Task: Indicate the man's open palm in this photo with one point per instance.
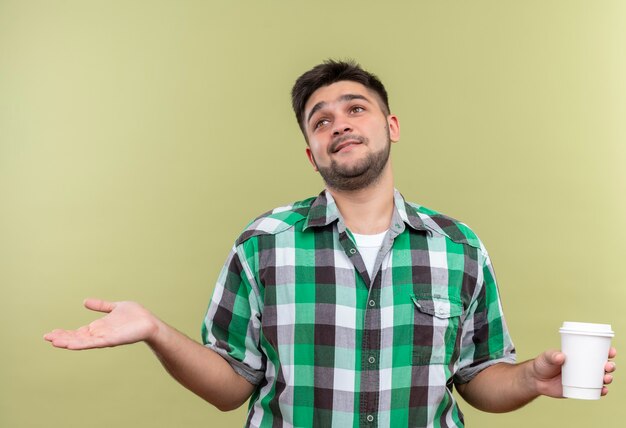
(125, 323)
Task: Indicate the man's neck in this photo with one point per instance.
(367, 211)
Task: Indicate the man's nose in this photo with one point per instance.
(342, 127)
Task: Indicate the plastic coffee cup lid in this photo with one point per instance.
(587, 328)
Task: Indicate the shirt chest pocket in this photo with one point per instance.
(436, 328)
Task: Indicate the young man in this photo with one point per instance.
(352, 308)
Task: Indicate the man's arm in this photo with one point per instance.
(506, 387)
(196, 367)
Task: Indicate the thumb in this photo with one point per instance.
(99, 305)
(554, 357)
(548, 363)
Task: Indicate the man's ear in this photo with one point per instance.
(309, 155)
(394, 128)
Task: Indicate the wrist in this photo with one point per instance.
(156, 333)
(532, 380)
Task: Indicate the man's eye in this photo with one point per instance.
(357, 109)
(321, 123)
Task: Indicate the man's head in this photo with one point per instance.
(330, 72)
(344, 115)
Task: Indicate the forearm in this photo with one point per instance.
(501, 388)
(198, 368)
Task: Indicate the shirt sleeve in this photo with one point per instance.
(233, 321)
(485, 338)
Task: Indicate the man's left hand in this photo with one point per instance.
(547, 372)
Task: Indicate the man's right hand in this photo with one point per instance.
(195, 366)
(125, 323)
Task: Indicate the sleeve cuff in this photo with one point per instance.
(242, 369)
(466, 374)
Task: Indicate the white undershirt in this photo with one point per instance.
(369, 246)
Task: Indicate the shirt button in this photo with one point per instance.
(372, 303)
(370, 418)
(352, 250)
(441, 311)
(371, 360)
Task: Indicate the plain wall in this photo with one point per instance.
(137, 138)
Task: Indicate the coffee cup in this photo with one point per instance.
(586, 348)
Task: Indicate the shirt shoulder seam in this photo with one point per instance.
(447, 226)
(276, 221)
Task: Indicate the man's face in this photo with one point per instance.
(349, 135)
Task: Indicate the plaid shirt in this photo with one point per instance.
(296, 313)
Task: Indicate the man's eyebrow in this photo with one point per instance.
(315, 108)
(344, 97)
(350, 97)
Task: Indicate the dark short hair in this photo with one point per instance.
(327, 73)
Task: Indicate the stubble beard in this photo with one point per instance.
(358, 175)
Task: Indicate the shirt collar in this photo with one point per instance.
(407, 213)
(324, 211)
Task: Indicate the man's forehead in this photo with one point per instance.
(335, 92)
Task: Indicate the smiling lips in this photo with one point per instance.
(345, 141)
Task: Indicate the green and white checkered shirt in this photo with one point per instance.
(295, 312)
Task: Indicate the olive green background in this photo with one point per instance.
(138, 138)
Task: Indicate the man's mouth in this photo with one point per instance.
(345, 141)
(345, 144)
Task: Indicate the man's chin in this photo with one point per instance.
(348, 180)
(339, 172)
(355, 174)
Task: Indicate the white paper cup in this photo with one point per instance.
(586, 348)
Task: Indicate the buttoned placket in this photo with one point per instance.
(369, 394)
(370, 350)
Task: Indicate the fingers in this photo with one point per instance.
(86, 343)
(53, 334)
(612, 353)
(86, 337)
(99, 305)
(59, 338)
(74, 339)
(609, 368)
